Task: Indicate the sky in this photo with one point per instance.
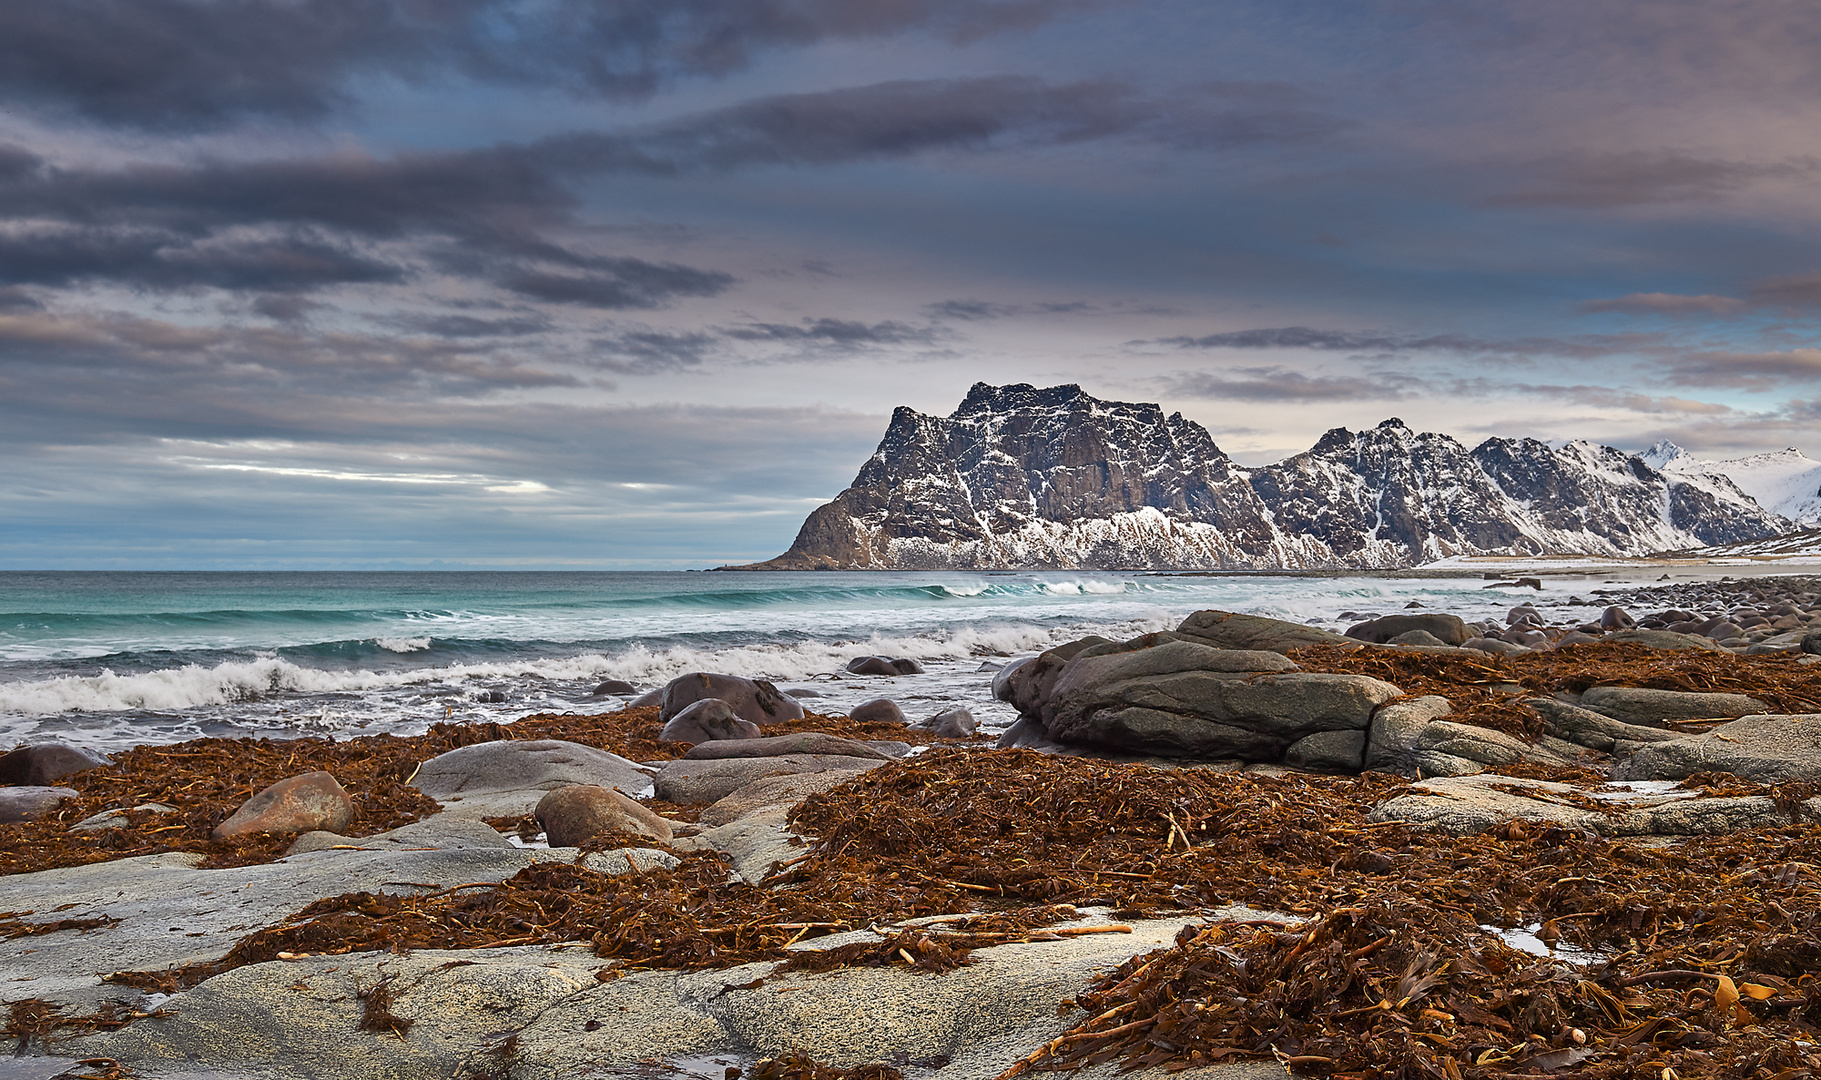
(628, 284)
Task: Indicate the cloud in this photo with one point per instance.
(984, 310)
(1617, 398)
(1281, 384)
(618, 283)
(195, 64)
(1302, 337)
(841, 333)
(1671, 304)
(1769, 371)
(1586, 180)
(644, 352)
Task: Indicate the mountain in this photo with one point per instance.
(1054, 478)
(1786, 482)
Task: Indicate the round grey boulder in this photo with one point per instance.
(752, 699)
(1616, 618)
(614, 686)
(708, 720)
(952, 723)
(878, 709)
(45, 763)
(31, 802)
(572, 815)
(313, 800)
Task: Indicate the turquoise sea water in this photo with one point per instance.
(113, 659)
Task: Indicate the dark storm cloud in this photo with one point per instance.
(1632, 178)
(150, 258)
(1302, 337)
(13, 299)
(982, 310)
(841, 333)
(188, 63)
(468, 326)
(620, 283)
(646, 352)
(1280, 384)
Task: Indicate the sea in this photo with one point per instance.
(109, 660)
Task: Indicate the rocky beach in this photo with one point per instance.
(1426, 846)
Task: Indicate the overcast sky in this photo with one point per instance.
(636, 283)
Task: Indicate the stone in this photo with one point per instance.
(29, 802)
(686, 781)
(507, 778)
(1391, 738)
(1635, 705)
(571, 815)
(1596, 731)
(1574, 637)
(1447, 629)
(708, 720)
(1495, 646)
(117, 818)
(1523, 615)
(878, 709)
(440, 832)
(1189, 700)
(772, 792)
(1229, 630)
(801, 692)
(43, 764)
(800, 742)
(1482, 746)
(752, 699)
(1661, 639)
(1418, 638)
(1025, 684)
(650, 699)
(614, 686)
(871, 665)
(952, 723)
(312, 800)
(1767, 749)
(1328, 751)
(1464, 805)
(1811, 643)
(1616, 618)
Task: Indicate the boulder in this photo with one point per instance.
(752, 699)
(507, 778)
(1616, 618)
(710, 781)
(1464, 805)
(773, 792)
(439, 832)
(614, 686)
(871, 665)
(708, 720)
(878, 709)
(1574, 637)
(952, 723)
(650, 699)
(1811, 643)
(1230, 630)
(1328, 751)
(1661, 639)
(1495, 646)
(1189, 700)
(1767, 749)
(42, 764)
(1447, 629)
(1418, 638)
(1596, 731)
(571, 815)
(298, 804)
(1025, 684)
(801, 692)
(1635, 705)
(1392, 736)
(29, 802)
(801, 742)
(1442, 744)
(117, 817)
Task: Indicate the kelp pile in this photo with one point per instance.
(1486, 689)
(205, 780)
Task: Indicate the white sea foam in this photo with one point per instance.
(402, 644)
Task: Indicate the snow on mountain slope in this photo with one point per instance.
(1784, 482)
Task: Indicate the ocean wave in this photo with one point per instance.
(402, 644)
(231, 682)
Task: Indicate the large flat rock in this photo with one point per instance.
(1767, 749)
(1230, 630)
(686, 781)
(1462, 805)
(506, 778)
(1637, 705)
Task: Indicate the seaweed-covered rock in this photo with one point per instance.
(1767, 749)
(29, 802)
(710, 781)
(1394, 732)
(1661, 639)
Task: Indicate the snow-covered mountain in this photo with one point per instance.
(1024, 477)
(1785, 482)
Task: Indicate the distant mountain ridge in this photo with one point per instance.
(1784, 482)
(1022, 477)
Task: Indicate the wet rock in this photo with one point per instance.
(708, 720)
(1616, 618)
(650, 699)
(507, 778)
(42, 764)
(952, 723)
(1025, 685)
(1183, 699)
(801, 742)
(1635, 705)
(1767, 749)
(871, 665)
(1446, 629)
(687, 781)
(802, 692)
(1328, 751)
(313, 800)
(491, 697)
(878, 709)
(571, 815)
(1811, 643)
(752, 699)
(614, 686)
(1229, 630)
(29, 802)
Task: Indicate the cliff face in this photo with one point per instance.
(1054, 478)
